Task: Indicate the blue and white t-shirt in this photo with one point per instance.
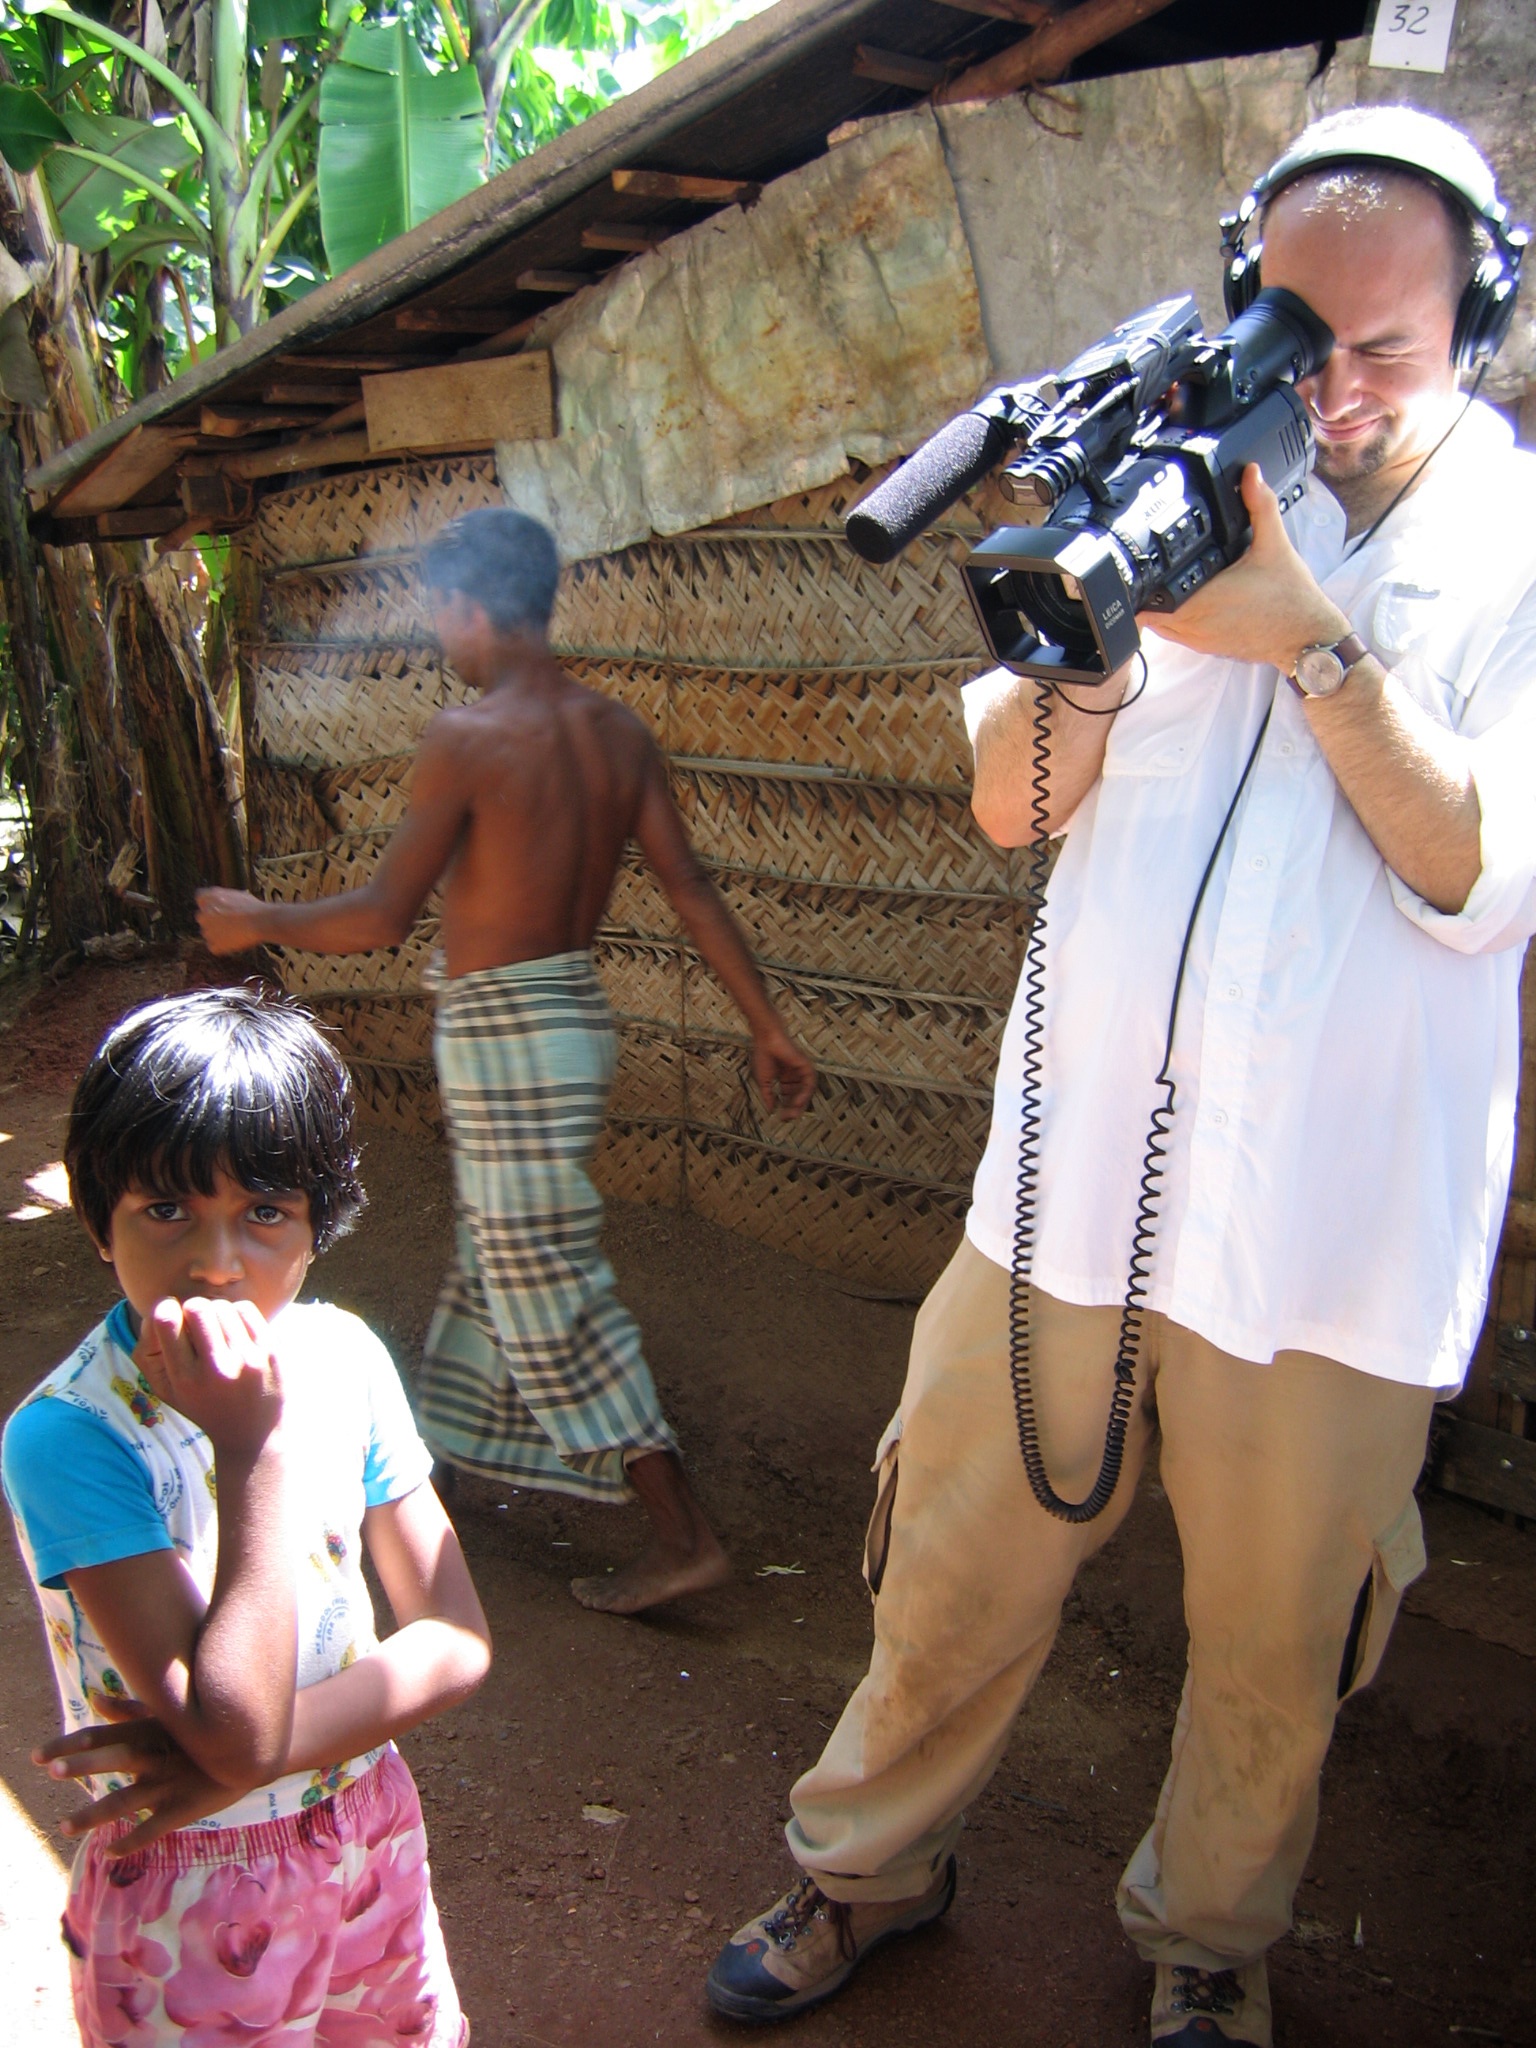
(97, 1469)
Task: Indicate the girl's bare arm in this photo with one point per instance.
(438, 1655)
(219, 1674)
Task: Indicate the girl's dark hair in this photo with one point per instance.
(231, 1078)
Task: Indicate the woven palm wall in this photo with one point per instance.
(807, 705)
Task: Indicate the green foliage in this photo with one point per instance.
(395, 132)
(579, 55)
(397, 141)
(95, 205)
(285, 21)
(29, 127)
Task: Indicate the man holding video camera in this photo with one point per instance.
(1310, 827)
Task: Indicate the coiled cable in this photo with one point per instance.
(1154, 1158)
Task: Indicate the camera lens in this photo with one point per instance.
(1057, 614)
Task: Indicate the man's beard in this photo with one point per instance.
(1356, 462)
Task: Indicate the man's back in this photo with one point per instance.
(551, 778)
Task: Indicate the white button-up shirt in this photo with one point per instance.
(1346, 1055)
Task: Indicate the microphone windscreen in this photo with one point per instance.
(927, 483)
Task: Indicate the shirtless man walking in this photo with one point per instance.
(522, 804)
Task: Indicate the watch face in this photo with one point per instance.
(1319, 671)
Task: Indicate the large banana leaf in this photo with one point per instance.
(284, 21)
(28, 127)
(397, 142)
(94, 205)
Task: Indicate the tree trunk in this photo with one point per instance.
(96, 652)
(180, 756)
(65, 850)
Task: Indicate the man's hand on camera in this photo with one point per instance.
(1266, 607)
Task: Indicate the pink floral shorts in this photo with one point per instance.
(318, 1929)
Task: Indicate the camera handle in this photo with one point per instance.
(1144, 1235)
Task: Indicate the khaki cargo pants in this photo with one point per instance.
(1292, 1488)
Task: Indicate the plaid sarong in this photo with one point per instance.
(533, 1369)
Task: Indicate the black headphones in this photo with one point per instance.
(1412, 141)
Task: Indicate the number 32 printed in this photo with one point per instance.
(1407, 19)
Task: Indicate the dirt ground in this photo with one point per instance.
(1414, 1919)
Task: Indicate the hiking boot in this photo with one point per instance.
(806, 1947)
(1211, 2008)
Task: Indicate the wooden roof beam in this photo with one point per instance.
(316, 397)
(230, 422)
(684, 185)
(891, 67)
(558, 283)
(320, 451)
(133, 522)
(628, 238)
(346, 369)
(507, 343)
(143, 454)
(451, 319)
(1044, 56)
(1032, 13)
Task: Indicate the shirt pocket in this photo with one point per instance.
(1403, 618)
(1163, 731)
(1421, 635)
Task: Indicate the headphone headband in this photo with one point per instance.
(1402, 139)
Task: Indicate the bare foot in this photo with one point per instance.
(657, 1574)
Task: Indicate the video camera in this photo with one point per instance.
(1134, 453)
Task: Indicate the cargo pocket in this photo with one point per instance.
(877, 1538)
(1399, 1559)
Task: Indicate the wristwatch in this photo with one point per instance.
(1321, 669)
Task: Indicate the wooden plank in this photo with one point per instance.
(506, 343)
(143, 454)
(322, 397)
(631, 241)
(1514, 1366)
(1519, 1236)
(451, 319)
(462, 405)
(1030, 12)
(1046, 54)
(229, 422)
(682, 185)
(321, 451)
(335, 366)
(891, 67)
(214, 497)
(1487, 1465)
(136, 522)
(556, 281)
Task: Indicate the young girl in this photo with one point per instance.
(190, 1489)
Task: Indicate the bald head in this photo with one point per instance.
(1364, 200)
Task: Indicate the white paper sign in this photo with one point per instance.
(1412, 35)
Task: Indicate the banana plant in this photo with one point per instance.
(398, 141)
(113, 174)
(227, 152)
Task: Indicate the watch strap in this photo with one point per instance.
(1349, 652)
